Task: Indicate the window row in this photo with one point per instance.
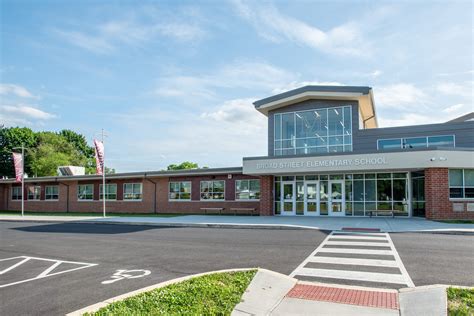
(34, 193)
(416, 142)
(214, 190)
(85, 192)
(461, 183)
(314, 131)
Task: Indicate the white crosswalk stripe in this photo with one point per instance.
(349, 257)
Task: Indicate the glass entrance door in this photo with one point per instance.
(311, 198)
(336, 198)
(288, 198)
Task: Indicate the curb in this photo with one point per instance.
(453, 231)
(95, 307)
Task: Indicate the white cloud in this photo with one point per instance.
(22, 114)
(237, 111)
(238, 75)
(375, 73)
(400, 95)
(134, 29)
(16, 90)
(450, 88)
(270, 23)
(454, 108)
(406, 119)
(299, 84)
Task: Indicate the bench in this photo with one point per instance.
(212, 210)
(393, 212)
(243, 210)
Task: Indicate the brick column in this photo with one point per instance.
(266, 195)
(437, 203)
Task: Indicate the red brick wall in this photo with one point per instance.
(194, 206)
(266, 195)
(146, 205)
(438, 204)
(3, 197)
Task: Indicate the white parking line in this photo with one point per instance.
(356, 250)
(46, 272)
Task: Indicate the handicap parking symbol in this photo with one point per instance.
(126, 274)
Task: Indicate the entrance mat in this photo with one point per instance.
(367, 298)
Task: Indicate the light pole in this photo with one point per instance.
(22, 178)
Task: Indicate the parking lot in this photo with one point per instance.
(53, 269)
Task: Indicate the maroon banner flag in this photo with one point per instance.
(99, 156)
(18, 162)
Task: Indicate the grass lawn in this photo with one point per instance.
(213, 294)
(460, 301)
(458, 221)
(86, 214)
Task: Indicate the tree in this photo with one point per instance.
(14, 137)
(80, 143)
(183, 165)
(52, 151)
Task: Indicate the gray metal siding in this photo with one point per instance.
(313, 105)
(463, 133)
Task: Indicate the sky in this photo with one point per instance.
(171, 81)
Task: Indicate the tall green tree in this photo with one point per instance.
(14, 137)
(54, 150)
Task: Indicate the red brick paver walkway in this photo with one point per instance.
(345, 296)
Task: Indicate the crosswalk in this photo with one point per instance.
(355, 258)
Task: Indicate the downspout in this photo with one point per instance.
(369, 118)
(154, 195)
(67, 195)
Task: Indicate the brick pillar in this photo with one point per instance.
(437, 201)
(266, 195)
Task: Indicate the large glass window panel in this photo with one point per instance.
(335, 121)
(384, 144)
(323, 191)
(306, 124)
(469, 177)
(455, 177)
(347, 120)
(358, 190)
(288, 126)
(416, 142)
(441, 141)
(277, 124)
(370, 190)
(384, 189)
(400, 190)
(321, 117)
(358, 208)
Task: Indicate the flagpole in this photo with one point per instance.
(22, 180)
(103, 177)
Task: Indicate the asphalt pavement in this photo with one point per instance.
(167, 253)
(62, 267)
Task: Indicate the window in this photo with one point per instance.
(132, 191)
(461, 183)
(416, 142)
(179, 191)
(213, 190)
(441, 141)
(85, 192)
(110, 192)
(51, 192)
(16, 193)
(314, 131)
(34, 192)
(384, 144)
(247, 189)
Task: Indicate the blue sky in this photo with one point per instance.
(175, 80)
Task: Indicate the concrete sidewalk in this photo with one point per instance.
(385, 224)
(271, 293)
